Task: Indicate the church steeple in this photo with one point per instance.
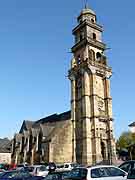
(88, 14)
(88, 35)
(91, 103)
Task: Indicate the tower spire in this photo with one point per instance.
(86, 4)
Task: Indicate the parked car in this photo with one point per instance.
(57, 175)
(18, 175)
(1, 174)
(2, 170)
(70, 166)
(66, 166)
(126, 166)
(37, 170)
(97, 173)
(20, 166)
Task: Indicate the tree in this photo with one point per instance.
(126, 142)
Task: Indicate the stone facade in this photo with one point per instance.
(45, 140)
(91, 102)
(5, 157)
(5, 151)
(84, 135)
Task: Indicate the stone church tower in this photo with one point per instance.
(91, 102)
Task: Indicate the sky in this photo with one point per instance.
(35, 42)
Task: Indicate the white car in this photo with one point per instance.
(37, 170)
(66, 166)
(98, 173)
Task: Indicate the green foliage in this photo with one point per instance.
(125, 140)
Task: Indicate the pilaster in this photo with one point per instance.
(73, 116)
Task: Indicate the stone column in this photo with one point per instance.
(108, 99)
(24, 158)
(28, 143)
(86, 113)
(108, 104)
(37, 141)
(73, 117)
(16, 158)
(50, 152)
(32, 158)
(96, 143)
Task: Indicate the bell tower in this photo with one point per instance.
(91, 102)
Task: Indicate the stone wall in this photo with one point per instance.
(5, 158)
(61, 144)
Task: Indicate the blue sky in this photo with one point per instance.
(35, 40)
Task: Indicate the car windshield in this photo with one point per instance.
(74, 165)
(16, 174)
(30, 169)
(60, 166)
(42, 168)
(54, 176)
(131, 174)
(20, 165)
(78, 172)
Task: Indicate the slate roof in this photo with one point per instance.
(26, 125)
(49, 119)
(132, 124)
(29, 124)
(5, 145)
(54, 118)
(5, 150)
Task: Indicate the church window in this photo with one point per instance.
(98, 56)
(76, 39)
(94, 36)
(81, 37)
(92, 20)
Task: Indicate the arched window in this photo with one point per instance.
(103, 150)
(92, 20)
(98, 56)
(94, 36)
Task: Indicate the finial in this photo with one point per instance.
(86, 4)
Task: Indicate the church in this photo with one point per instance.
(85, 134)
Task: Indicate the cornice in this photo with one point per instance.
(87, 23)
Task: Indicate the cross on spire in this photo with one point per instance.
(86, 4)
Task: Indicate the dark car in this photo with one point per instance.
(18, 175)
(128, 165)
(57, 175)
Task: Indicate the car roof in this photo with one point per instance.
(36, 166)
(94, 167)
(128, 161)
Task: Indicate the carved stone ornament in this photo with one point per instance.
(100, 105)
